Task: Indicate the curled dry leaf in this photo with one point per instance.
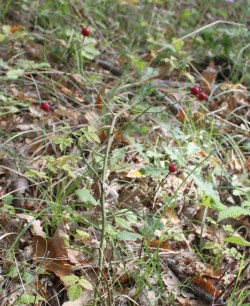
(53, 254)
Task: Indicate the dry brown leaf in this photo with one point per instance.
(206, 285)
(66, 90)
(247, 164)
(16, 28)
(181, 115)
(99, 101)
(208, 77)
(54, 255)
(160, 244)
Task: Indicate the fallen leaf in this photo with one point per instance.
(206, 285)
(208, 77)
(16, 28)
(160, 244)
(66, 90)
(54, 255)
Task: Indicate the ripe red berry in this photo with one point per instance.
(45, 106)
(172, 168)
(85, 31)
(195, 90)
(202, 96)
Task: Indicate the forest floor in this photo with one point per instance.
(125, 153)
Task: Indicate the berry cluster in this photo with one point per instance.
(196, 91)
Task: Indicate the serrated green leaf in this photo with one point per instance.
(14, 74)
(74, 292)
(237, 240)
(85, 284)
(233, 212)
(85, 196)
(63, 142)
(69, 169)
(71, 279)
(128, 236)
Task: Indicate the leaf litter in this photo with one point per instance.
(138, 162)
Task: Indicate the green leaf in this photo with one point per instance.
(69, 169)
(74, 292)
(238, 240)
(122, 223)
(150, 170)
(206, 202)
(31, 65)
(85, 284)
(63, 142)
(7, 199)
(208, 189)
(89, 50)
(28, 277)
(28, 299)
(111, 231)
(14, 74)
(128, 236)
(33, 173)
(71, 279)
(82, 234)
(3, 64)
(90, 134)
(2, 37)
(13, 271)
(233, 212)
(85, 196)
(191, 149)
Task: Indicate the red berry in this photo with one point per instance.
(172, 168)
(85, 31)
(45, 106)
(202, 96)
(195, 90)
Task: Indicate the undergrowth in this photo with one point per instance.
(124, 171)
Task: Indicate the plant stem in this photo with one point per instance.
(102, 203)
